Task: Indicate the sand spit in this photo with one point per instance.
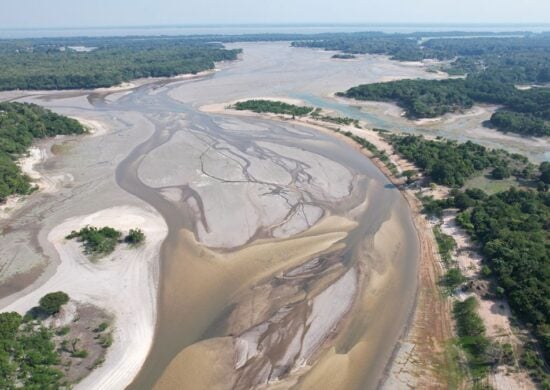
(126, 86)
(96, 128)
(124, 284)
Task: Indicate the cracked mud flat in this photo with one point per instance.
(290, 260)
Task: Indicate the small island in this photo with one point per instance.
(270, 106)
(281, 108)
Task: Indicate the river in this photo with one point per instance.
(290, 259)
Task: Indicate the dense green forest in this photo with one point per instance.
(420, 98)
(28, 355)
(43, 64)
(28, 358)
(451, 163)
(275, 107)
(513, 228)
(20, 124)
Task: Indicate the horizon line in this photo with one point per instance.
(287, 24)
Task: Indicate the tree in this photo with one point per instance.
(135, 237)
(500, 172)
(51, 303)
(545, 172)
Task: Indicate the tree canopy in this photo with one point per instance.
(20, 124)
(51, 303)
(54, 64)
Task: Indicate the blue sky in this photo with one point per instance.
(92, 13)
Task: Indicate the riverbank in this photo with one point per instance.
(124, 284)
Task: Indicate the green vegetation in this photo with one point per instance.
(398, 46)
(101, 327)
(135, 237)
(51, 303)
(531, 360)
(420, 98)
(472, 339)
(102, 241)
(97, 241)
(545, 172)
(271, 106)
(500, 173)
(451, 163)
(339, 120)
(52, 64)
(445, 243)
(20, 125)
(521, 123)
(514, 232)
(344, 56)
(454, 278)
(63, 331)
(27, 355)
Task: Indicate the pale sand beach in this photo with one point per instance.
(123, 283)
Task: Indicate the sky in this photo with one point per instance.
(101, 13)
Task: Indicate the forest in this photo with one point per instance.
(29, 358)
(451, 163)
(420, 98)
(51, 64)
(20, 125)
(513, 229)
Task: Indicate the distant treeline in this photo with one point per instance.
(493, 66)
(20, 124)
(55, 64)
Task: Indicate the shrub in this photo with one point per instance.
(454, 278)
(51, 303)
(135, 237)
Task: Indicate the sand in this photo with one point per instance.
(95, 127)
(123, 283)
